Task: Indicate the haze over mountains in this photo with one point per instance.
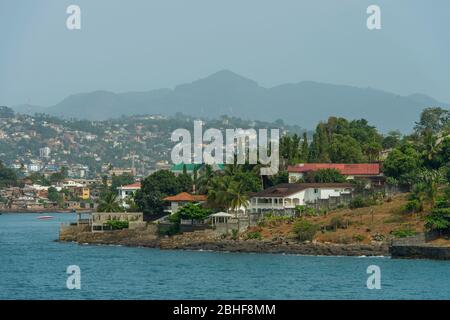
(304, 103)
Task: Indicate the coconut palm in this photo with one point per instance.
(217, 192)
(202, 182)
(109, 203)
(237, 196)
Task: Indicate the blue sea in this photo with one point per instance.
(34, 266)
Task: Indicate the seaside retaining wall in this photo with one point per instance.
(70, 232)
(420, 252)
(139, 235)
(416, 247)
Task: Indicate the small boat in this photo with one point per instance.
(45, 217)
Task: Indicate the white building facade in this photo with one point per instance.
(285, 197)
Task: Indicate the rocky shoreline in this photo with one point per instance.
(148, 238)
(257, 246)
(207, 241)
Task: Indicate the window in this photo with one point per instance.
(316, 190)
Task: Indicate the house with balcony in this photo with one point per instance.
(283, 198)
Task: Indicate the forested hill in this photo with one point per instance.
(226, 93)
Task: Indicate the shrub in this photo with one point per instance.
(439, 219)
(117, 224)
(442, 202)
(403, 233)
(338, 223)
(413, 206)
(275, 220)
(305, 230)
(254, 235)
(357, 202)
(361, 202)
(305, 211)
(358, 237)
(234, 234)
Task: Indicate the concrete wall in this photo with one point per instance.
(101, 217)
(233, 224)
(420, 252)
(144, 236)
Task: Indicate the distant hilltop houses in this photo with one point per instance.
(141, 143)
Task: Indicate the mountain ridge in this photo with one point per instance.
(224, 92)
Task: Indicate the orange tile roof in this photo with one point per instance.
(184, 196)
(344, 168)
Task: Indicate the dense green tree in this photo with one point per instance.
(319, 148)
(192, 212)
(154, 188)
(402, 163)
(56, 177)
(391, 140)
(53, 195)
(345, 149)
(290, 150)
(433, 119)
(339, 140)
(121, 180)
(185, 182)
(280, 177)
(305, 148)
(324, 176)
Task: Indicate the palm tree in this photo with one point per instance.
(236, 196)
(217, 192)
(430, 147)
(109, 203)
(203, 182)
(430, 180)
(226, 193)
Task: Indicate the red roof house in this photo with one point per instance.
(186, 197)
(181, 199)
(348, 169)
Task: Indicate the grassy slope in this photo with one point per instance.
(364, 224)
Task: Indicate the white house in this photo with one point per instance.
(127, 191)
(286, 196)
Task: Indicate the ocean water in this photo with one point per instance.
(33, 266)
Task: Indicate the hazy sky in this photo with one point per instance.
(149, 44)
